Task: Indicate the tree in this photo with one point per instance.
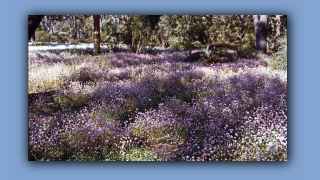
(96, 41)
(33, 24)
(260, 27)
(208, 29)
(75, 27)
(277, 29)
(163, 31)
(45, 24)
(139, 29)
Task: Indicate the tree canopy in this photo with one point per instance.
(177, 31)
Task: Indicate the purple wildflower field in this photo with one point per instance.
(127, 107)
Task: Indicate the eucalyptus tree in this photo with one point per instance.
(138, 29)
(260, 27)
(192, 28)
(75, 26)
(108, 19)
(243, 28)
(185, 31)
(276, 28)
(45, 23)
(85, 25)
(163, 31)
(208, 29)
(53, 24)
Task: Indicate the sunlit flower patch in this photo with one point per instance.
(130, 107)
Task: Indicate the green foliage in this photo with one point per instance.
(43, 36)
(249, 38)
(61, 39)
(81, 40)
(54, 38)
(280, 57)
(246, 51)
(178, 46)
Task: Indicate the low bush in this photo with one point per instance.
(178, 46)
(249, 38)
(43, 36)
(61, 39)
(246, 51)
(221, 56)
(280, 57)
(81, 40)
(195, 57)
(217, 57)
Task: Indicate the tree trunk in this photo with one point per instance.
(33, 24)
(133, 48)
(50, 27)
(163, 44)
(278, 24)
(44, 25)
(48, 23)
(260, 27)
(75, 27)
(138, 46)
(96, 49)
(207, 51)
(101, 23)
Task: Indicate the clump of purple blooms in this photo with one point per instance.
(129, 107)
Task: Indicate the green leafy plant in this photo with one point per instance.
(81, 40)
(43, 36)
(280, 57)
(246, 51)
(177, 46)
(61, 39)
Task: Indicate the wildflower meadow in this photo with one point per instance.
(122, 106)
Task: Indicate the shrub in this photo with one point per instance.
(90, 40)
(61, 39)
(246, 51)
(280, 57)
(81, 40)
(178, 46)
(249, 38)
(43, 36)
(195, 57)
(221, 56)
(218, 57)
(54, 38)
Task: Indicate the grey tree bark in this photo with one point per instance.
(260, 27)
(44, 25)
(278, 24)
(75, 27)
